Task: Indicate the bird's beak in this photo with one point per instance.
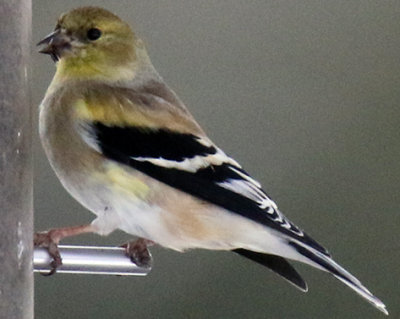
(55, 44)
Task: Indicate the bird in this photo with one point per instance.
(125, 146)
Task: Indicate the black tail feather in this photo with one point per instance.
(277, 264)
(329, 265)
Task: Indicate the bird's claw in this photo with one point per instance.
(138, 252)
(47, 240)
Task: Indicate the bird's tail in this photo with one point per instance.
(326, 263)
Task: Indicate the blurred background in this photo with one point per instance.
(305, 95)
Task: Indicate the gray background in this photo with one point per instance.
(305, 94)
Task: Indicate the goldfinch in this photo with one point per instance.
(124, 145)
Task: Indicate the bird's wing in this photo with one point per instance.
(191, 163)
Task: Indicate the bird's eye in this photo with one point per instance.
(93, 34)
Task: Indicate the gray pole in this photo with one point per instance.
(16, 276)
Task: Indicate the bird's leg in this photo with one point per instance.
(138, 252)
(50, 239)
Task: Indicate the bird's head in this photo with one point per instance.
(91, 42)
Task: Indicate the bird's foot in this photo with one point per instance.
(138, 252)
(49, 240)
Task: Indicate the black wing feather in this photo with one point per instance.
(161, 143)
(126, 144)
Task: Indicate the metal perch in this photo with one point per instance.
(89, 260)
